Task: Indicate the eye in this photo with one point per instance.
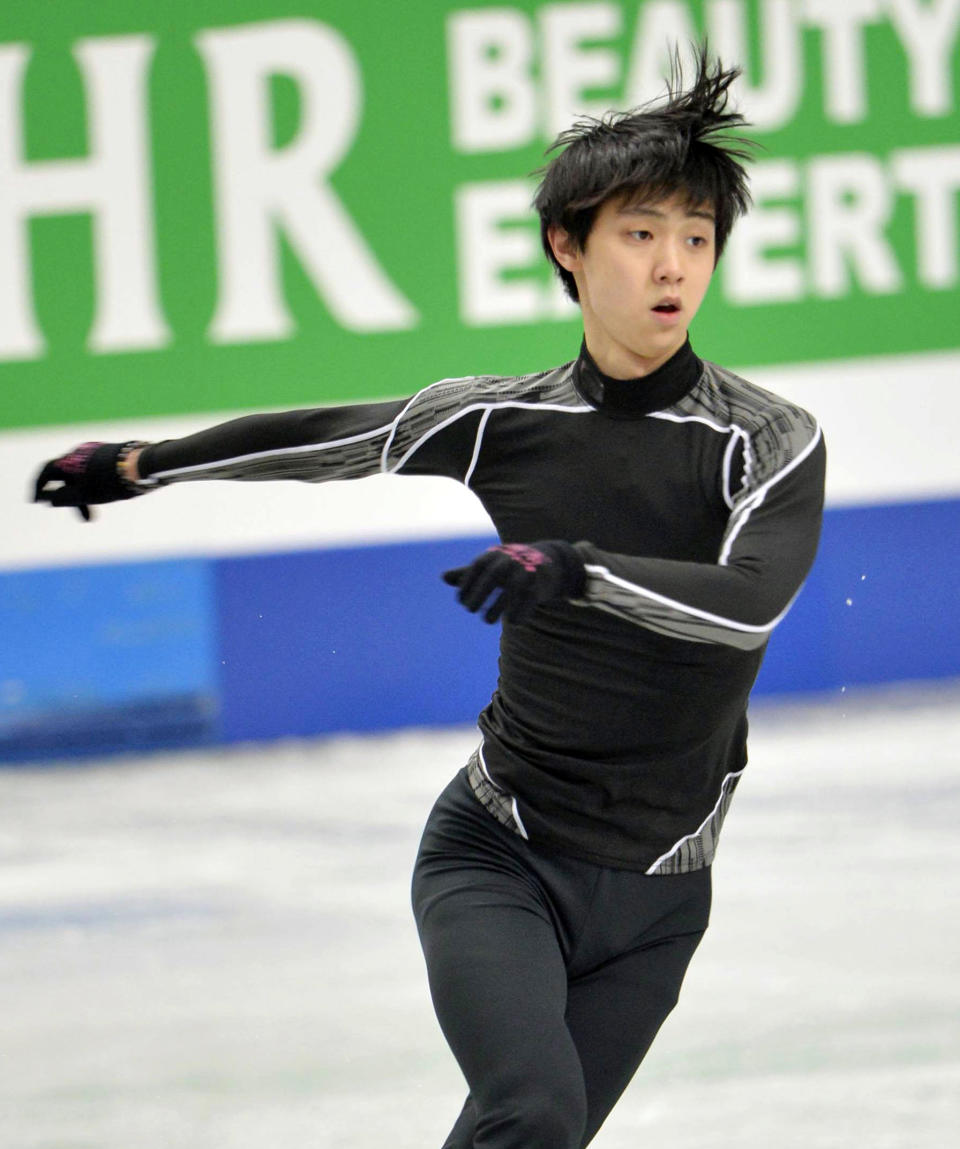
(697, 240)
(640, 233)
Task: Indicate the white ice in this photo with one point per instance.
(215, 950)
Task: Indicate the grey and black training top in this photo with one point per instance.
(617, 731)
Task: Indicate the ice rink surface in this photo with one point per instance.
(216, 951)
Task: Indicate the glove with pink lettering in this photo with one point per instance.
(521, 577)
(90, 473)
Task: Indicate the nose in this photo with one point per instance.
(668, 267)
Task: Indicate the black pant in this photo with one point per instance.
(550, 976)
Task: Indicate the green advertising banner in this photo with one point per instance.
(214, 205)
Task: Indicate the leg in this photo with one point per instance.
(614, 1014)
(550, 977)
(461, 1135)
(499, 989)
(498, 981)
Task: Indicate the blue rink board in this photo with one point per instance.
(136, 656)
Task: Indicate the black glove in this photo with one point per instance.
(526, 575)
(89, 474)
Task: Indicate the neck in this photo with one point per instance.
(620, 362)
(628, 399)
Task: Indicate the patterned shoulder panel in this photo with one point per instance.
(775, 432)
(440, 404)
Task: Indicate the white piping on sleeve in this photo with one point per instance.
(695, 612)
(276, 452)
(754, 500)
(736, 436)
(384, 455)
(389, 429)
(742, 514)
(699, 830)
(412, 450)
(476, 447)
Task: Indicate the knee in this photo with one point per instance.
(538, 1120)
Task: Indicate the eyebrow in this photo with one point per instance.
(691, 213)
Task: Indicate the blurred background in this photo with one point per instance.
(212, 208)
(256, 205)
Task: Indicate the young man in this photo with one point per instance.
(657, 516)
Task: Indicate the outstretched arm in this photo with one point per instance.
(309, 445)
(432, 433)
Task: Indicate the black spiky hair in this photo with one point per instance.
(681, 144)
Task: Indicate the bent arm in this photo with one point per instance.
(768, 549)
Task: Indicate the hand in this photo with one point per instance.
(525, 576)
(90, 473)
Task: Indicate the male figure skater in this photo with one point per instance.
(657, 516)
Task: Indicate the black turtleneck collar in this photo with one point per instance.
(634, 398)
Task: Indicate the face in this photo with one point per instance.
(642, 276)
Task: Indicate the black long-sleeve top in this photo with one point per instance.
(617, 731)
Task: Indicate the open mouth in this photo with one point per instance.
(667, 308)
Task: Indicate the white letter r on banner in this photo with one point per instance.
(261, 189)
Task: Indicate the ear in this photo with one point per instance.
(564, 247)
